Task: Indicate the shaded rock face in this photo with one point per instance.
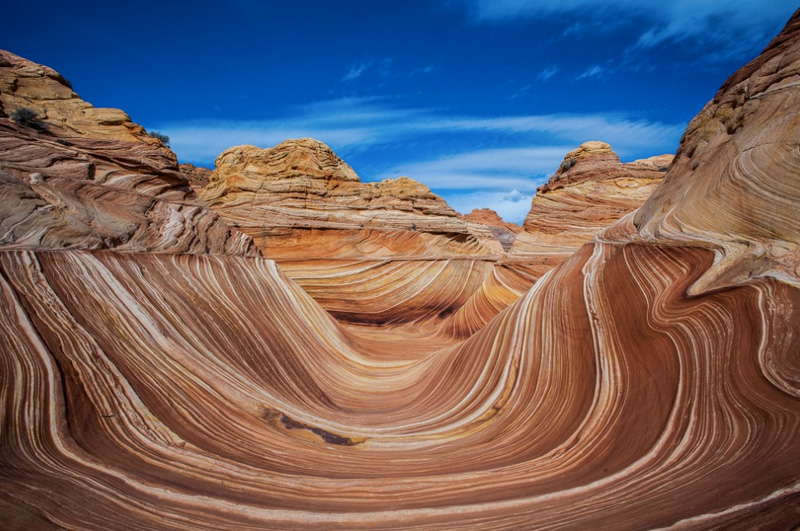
(196, 175)
(591, 190)
(299, 200)
(79, 177)
(642, 383)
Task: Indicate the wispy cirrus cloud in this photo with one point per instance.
(725, 29)
(382, 68)
(507, 168)
(468, 159)
(352, 124)
(548, 72)
(592, 71)
(356, 71)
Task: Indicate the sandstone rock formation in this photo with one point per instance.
(79, 177)
(299, 200)
(590, 190)
(651, 380)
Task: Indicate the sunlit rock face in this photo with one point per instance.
(74, 176)
(591, 190)
(734, 185)
(645, 382)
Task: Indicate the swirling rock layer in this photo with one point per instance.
(639, 384)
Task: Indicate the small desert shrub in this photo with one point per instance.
(27, 117)
(567, 164)
(164, 139)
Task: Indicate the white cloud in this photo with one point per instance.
(548, 72)
(592, 71)
(429, 69)
(521, 92)
(504, 169)
(624, 134)
(356, 71)
(353, 124)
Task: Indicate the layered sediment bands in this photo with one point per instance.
(390, 291)
(447, 298)
(591, 190)
(299, 198)
(73, 177)
(227, 398)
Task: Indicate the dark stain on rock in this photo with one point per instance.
(279, 420)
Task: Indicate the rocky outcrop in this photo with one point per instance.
(42, 90)
(590, 191)
(74, 176)
(299, 200)
(490, 218)
(504, 231)
(645, 382)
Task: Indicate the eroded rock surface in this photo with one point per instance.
(196, 175)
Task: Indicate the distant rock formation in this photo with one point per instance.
(591, 190)
(196, 175)
(487, 216)
(298, 200)
(504, 231)
(74, 176)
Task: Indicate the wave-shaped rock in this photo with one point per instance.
(635, 386)
(734, 185)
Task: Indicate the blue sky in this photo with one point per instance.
(478, 99)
